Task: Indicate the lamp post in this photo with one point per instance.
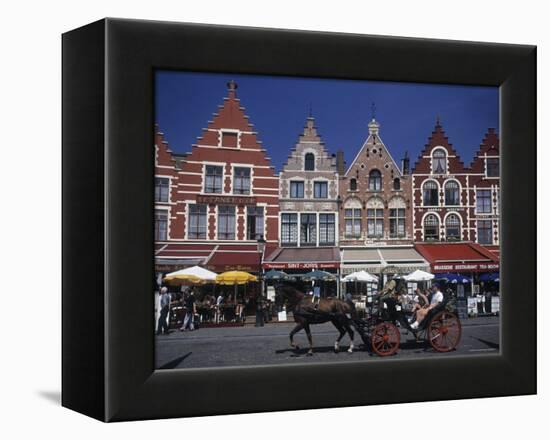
(260, 246)
(259, 301)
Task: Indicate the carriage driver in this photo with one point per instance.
(393, 289)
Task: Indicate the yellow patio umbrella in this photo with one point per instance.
(235, 278)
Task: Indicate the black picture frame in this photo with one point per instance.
(108, 343)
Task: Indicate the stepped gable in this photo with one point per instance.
(490, 146)
(310, 140)
(163, 153)
(231, 131)
(438, 139)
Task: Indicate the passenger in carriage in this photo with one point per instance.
(436, 299)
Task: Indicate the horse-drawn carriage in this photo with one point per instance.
(386, 318)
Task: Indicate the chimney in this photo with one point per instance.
(405, 164)
(340, 163)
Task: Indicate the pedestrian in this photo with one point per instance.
(164, 310)
(190, 310)
(259, 312)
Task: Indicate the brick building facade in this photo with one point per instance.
(222, 196)
(375, 194)
(453, 202)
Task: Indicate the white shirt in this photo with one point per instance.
(437, 297)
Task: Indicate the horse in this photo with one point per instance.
(340, 313)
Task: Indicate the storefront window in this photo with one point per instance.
(197, 221)
(226, 222)
(308, 229)
(289, 229)
(254, 222)
(326, 229)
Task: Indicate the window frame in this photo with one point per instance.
(206, 188)
(230, 227)
(197, 229)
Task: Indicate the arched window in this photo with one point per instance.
(396, 184)
(309, 162)
(439, 162)
(375, 180)
(452, 195)
(431, 227)
(452, 227)
(430, 196)
(353, 184)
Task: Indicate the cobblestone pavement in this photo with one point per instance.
(269, 345)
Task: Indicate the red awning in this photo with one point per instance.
(458, 257)
(303, 258)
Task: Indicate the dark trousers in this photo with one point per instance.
(162, 324)
(259, 318)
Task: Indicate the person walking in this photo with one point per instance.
(190, 311)
(259, 312)
(164, 310)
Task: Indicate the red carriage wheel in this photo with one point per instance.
(385, 339)
(444, 331)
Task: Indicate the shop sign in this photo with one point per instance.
(301, 265)
(226, 200)
(227, 267)
(465, 267)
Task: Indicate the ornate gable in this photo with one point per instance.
(438, 140)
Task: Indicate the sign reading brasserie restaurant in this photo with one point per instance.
(226, 200)
(465, 267)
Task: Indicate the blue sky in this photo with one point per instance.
(279, 106)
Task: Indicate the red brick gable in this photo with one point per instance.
(163, 154)
(438, 139)
(490, 146)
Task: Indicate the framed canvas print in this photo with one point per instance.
(261, 219)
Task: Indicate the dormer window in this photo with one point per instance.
(439, 162)
(309, 162)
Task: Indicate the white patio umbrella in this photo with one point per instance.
(195, 274)
(419, 275)
(361, 276)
